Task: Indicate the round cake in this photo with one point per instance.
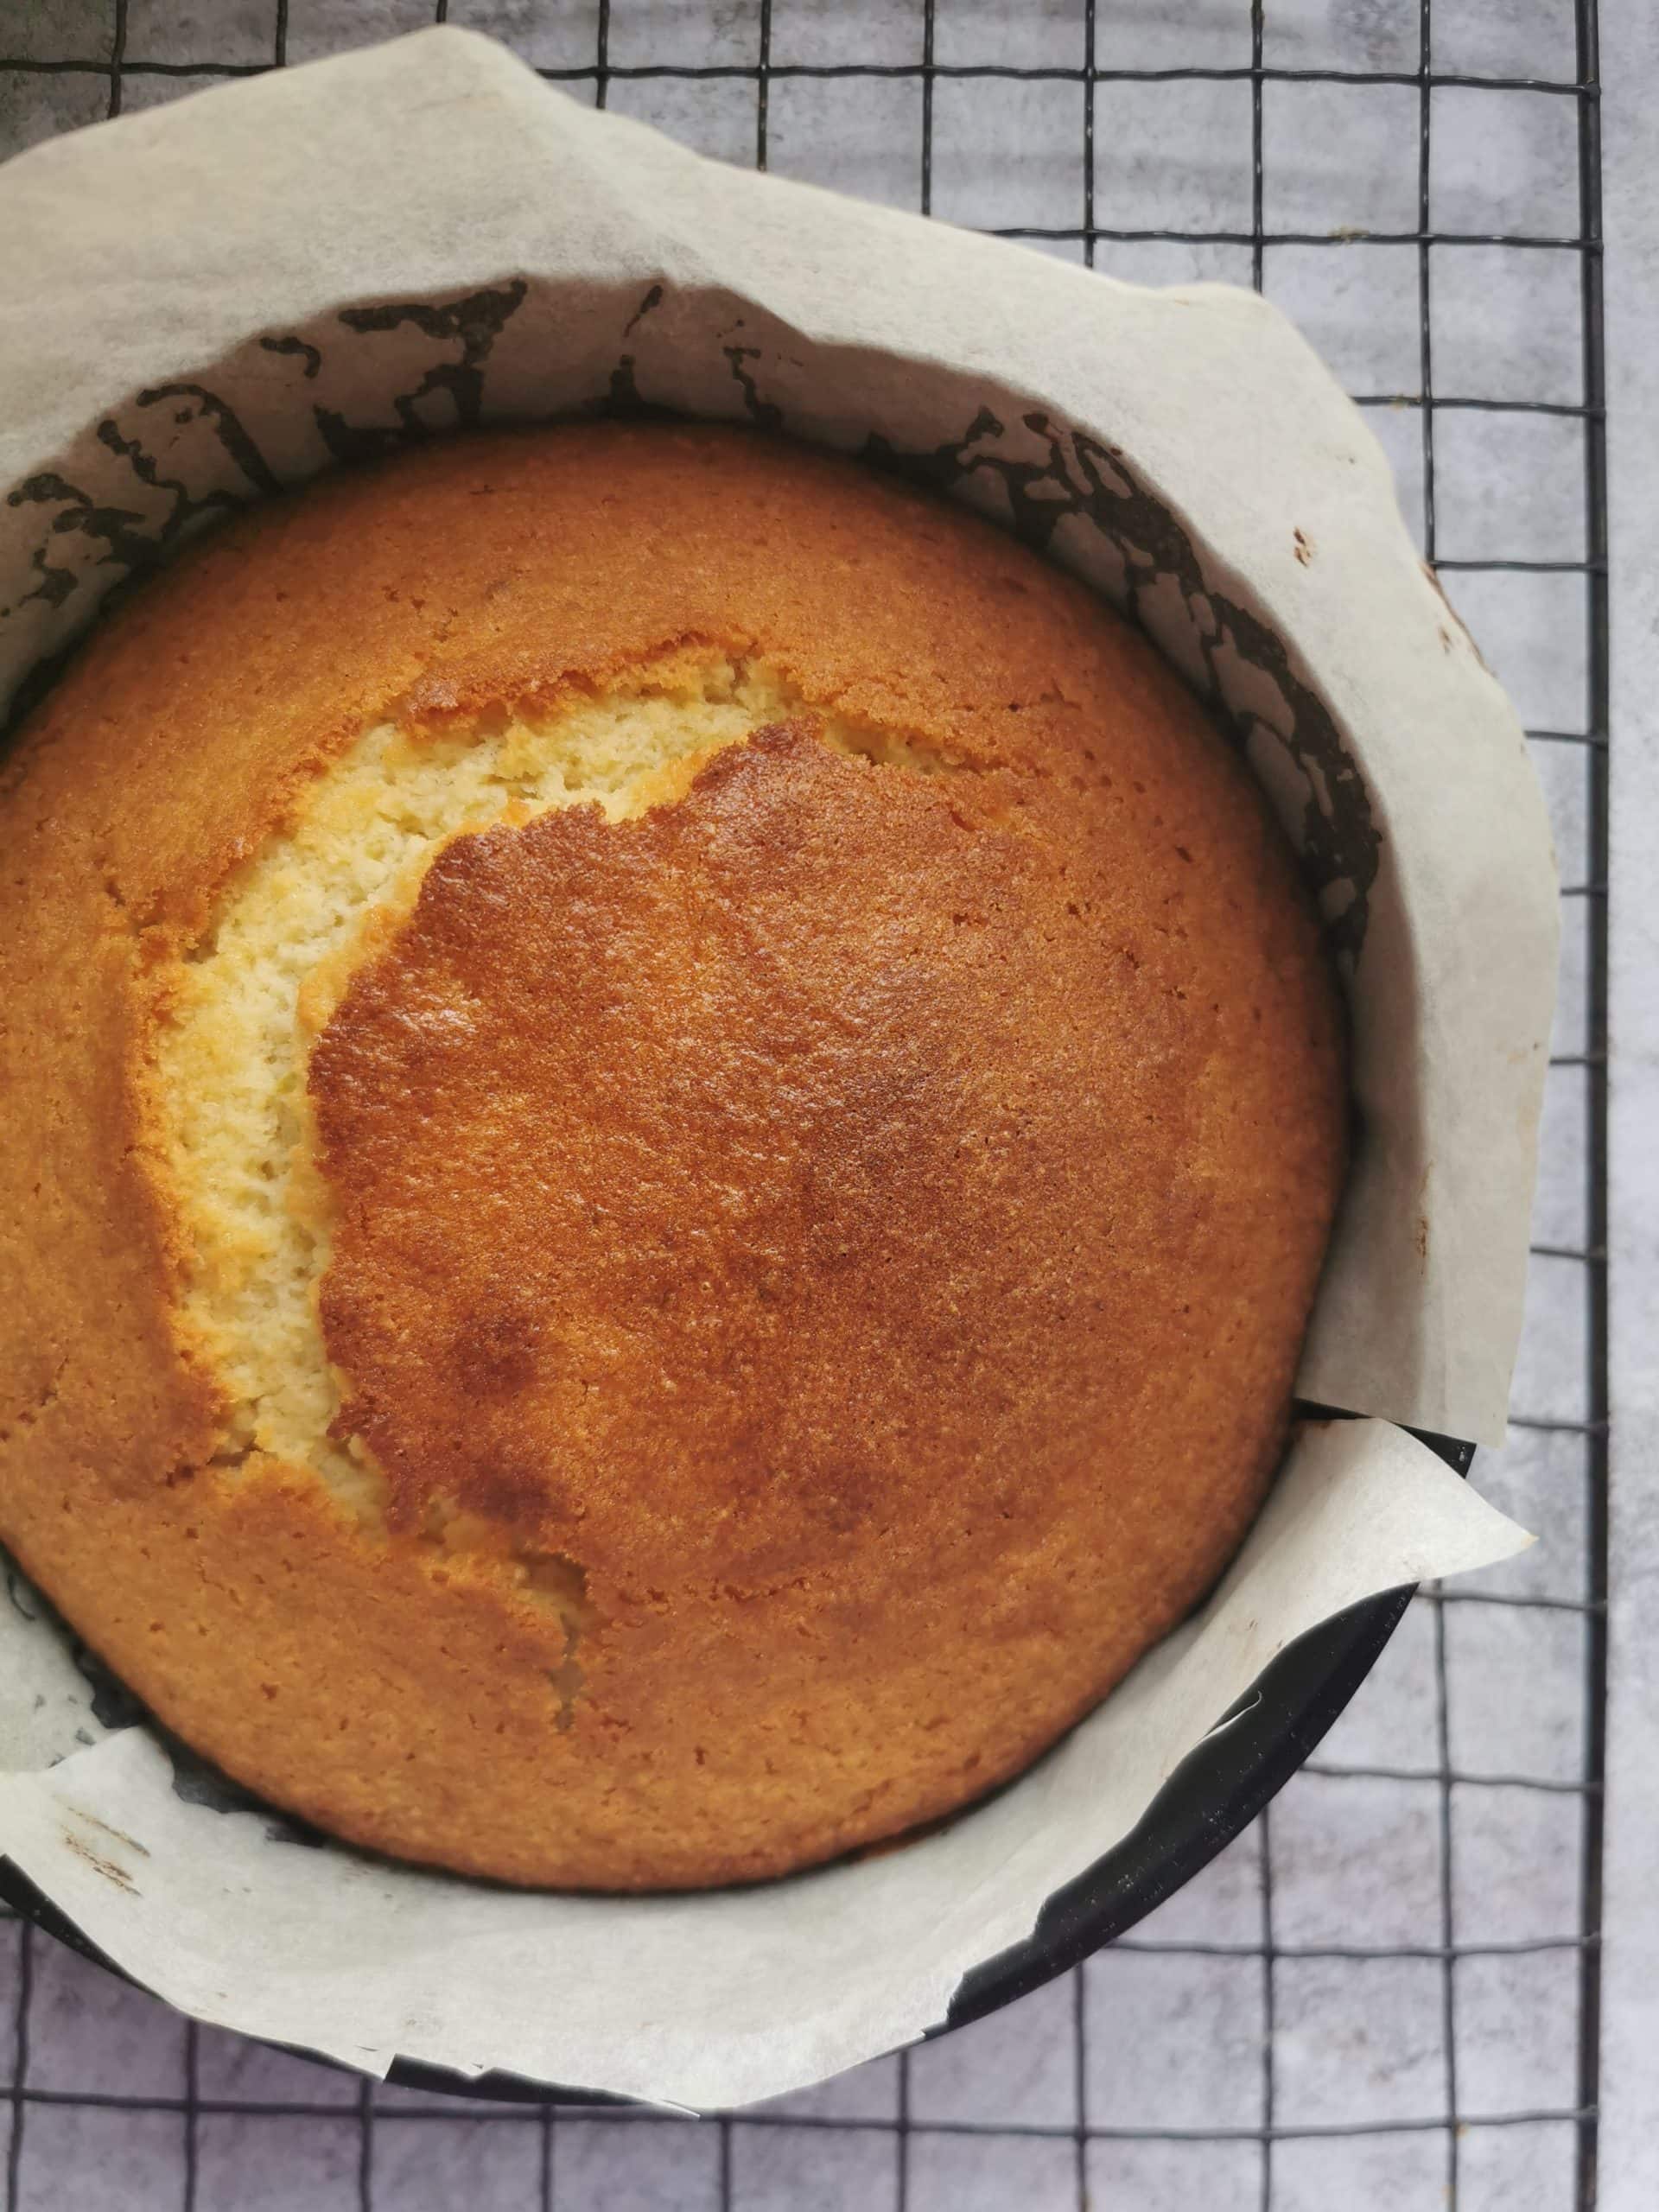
(672, 1118)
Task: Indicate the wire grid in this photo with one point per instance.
(1251, 2047)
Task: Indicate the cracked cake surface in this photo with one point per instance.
(673, 1120)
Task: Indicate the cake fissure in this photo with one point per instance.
(676, 1119)
(258, 988)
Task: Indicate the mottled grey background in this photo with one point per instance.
(1401, 1943)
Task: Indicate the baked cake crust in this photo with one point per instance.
(815, 1269)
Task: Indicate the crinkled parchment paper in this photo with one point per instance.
(202, 304)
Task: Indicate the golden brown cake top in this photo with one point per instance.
(716, 1201)
(734, 1102)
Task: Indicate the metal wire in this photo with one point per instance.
(1445, 1951)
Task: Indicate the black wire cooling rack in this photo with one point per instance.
(1075, 2097)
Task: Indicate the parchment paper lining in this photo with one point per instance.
(217, 299)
